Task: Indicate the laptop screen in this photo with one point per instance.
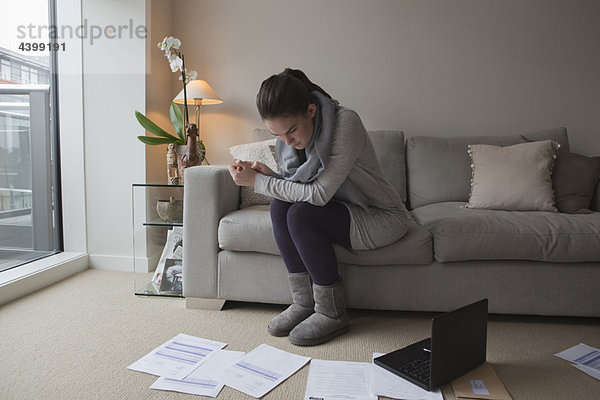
(458, 342)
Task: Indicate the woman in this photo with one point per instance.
(330, 190)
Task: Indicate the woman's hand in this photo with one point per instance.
(262, 168)
(242, 173)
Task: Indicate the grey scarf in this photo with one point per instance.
(297, 169)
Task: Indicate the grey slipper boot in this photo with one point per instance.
(328, 321)
(303, 305)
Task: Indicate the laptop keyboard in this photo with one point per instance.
(418, 369)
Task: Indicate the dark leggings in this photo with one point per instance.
(305, 235)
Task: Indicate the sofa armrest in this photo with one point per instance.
(596, 199)
(209, 194)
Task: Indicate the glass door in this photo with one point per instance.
(29, 204)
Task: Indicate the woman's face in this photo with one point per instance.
(294, 130)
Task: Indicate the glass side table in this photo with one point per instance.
(157, 216)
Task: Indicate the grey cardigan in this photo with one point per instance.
(352, 156)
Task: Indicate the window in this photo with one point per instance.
(30, 215)
(5, 70)
(33, 76)
(25, 75)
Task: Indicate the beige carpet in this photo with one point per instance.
(75, 339)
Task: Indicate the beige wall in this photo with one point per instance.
(159, 20)
(428, 67)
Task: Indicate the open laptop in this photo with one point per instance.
(457, 345)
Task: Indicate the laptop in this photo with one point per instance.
(457, 345)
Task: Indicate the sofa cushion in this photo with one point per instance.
(262, 151)
(439, 169)
(461, 234)
(514, 177)
(389, 148)
(595, 206)
(249, 229)
(574, 178)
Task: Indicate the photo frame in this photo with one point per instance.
(172, 278)
(173, 249)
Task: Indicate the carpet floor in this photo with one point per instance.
(75, 339)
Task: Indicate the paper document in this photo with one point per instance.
(259, 371)
(329, 380)
(480, 383)
(594, 373)
(584, 357)
(204, 380)
(177, 357)
(384, 383)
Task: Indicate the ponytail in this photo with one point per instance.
(286, 94)
(296, 73)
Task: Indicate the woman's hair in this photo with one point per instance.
(286, 94)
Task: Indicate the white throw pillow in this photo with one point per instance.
(513, 178)
(264, 152)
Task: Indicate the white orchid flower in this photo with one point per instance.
(176, 64)
(170, 45)
(172, 57)
(190, 75)
(173, 43)
(169, 42)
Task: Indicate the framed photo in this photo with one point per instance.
(172, 276)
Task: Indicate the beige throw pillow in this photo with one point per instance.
(264, 152)
(513, 178)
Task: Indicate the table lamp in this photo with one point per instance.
(199, 93)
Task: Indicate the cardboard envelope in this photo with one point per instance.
(481, 383)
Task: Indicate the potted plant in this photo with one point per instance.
(187, 147)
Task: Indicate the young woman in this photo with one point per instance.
(330, 190)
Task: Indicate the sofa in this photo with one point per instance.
(524, 262)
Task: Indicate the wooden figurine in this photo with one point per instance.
(191, 156)
(172, 171)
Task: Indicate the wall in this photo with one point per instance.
(113, 87)
(159, 85)
(428, 67)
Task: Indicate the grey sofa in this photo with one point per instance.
(535, 262)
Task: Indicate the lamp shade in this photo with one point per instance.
(199, 93)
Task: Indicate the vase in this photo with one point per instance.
(170, 210)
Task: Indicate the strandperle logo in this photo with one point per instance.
(83, 31)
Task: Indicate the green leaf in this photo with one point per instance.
(156, 140)
(177, 121)
(152, 127)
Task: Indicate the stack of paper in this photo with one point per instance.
(333, 380)
(262, 369)
(199, 366)
(178, 357)
(204, 380)
(584, 358)
(339, 380)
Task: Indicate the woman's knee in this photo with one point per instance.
(279, 211)
(300, 215)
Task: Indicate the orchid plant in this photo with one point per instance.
(172, 48)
